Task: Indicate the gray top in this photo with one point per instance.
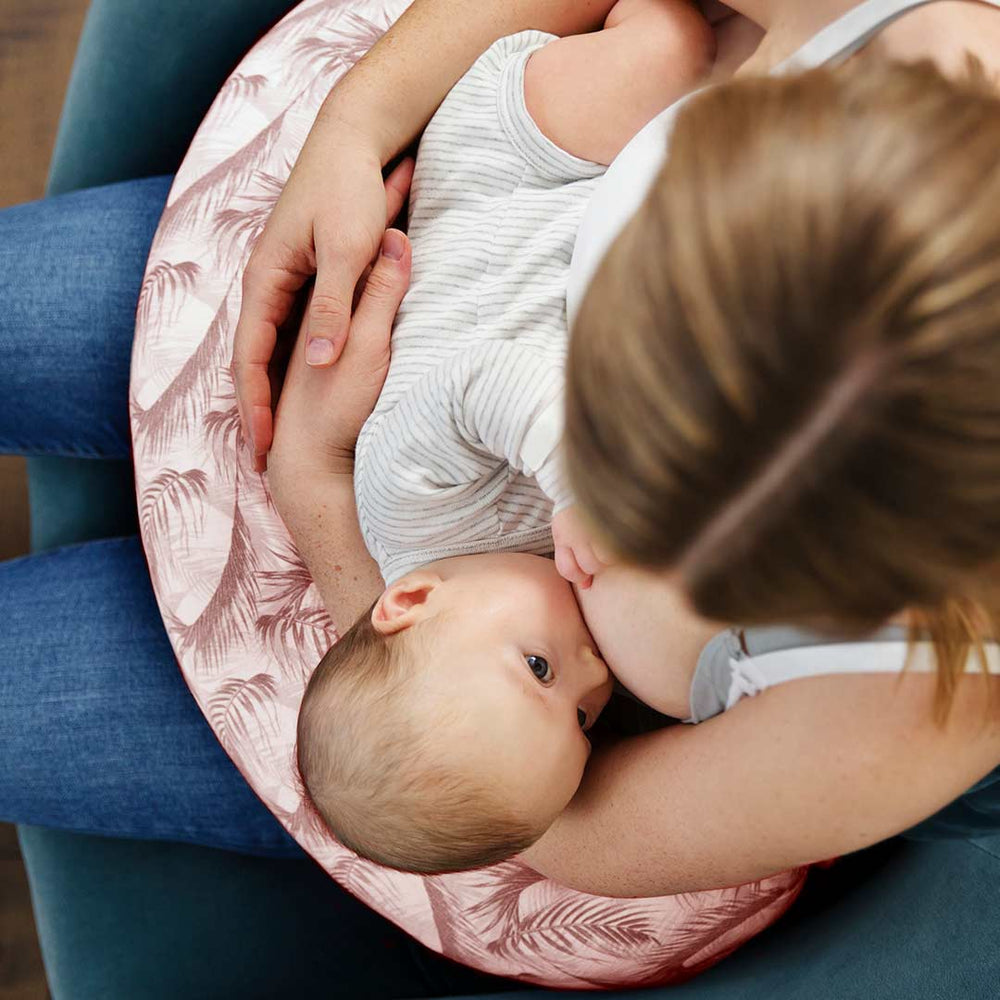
(740, 663)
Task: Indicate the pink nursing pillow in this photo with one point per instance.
(244, 618)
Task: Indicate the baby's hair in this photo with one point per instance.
(782, 382)
(376, 771)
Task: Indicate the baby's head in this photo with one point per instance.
(445, 730)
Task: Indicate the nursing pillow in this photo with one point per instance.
(247, 624)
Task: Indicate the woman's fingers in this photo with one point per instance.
(338, 267)
(569, 569)
(291, 250)
(587, 558)
(330, 406)
(359, 288)
(379, 302)
(337, 273)
(270, 283)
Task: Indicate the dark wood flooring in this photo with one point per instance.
(37, 42)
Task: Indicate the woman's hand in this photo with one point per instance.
(321, 412)
(330, 217)
(328, 221)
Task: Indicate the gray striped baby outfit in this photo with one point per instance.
(461, 454)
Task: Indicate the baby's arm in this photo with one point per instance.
(498, 403)
(505, 401)
(591, 93)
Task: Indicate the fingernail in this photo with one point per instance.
(393, 244)
(319, 351)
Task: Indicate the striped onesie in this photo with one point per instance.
(461, 453)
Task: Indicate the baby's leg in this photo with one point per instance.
(591, 93)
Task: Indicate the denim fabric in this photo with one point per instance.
(70, 272)
(99, 731)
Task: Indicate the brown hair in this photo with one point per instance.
(387, 789)
(784, 382)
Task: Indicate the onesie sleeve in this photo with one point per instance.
(549, 160)
(430, 472)
(506, 401)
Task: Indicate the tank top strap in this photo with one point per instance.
(729, 670)
(851, 32)
(752, 674)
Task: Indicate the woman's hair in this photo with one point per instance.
(376, 759)
(784, 383)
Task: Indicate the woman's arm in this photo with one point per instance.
(331, 214)
(320, 414)
(319, 511)
(805, 771)
(392, 92)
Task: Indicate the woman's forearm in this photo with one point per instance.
(319, 511)
(390, 95)
(806, 771)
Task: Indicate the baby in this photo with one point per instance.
(446, 729)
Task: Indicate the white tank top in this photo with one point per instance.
(629, 178)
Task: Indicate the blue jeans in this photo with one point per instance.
(95, 719)
(98, 730)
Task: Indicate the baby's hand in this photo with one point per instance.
(577, 558)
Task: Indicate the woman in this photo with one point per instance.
(676, 810)
(89, 582)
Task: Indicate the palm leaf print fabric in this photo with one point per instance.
(245, 620)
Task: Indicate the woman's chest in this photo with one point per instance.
(648, 635)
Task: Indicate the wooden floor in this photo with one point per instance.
(37, 42)
(21, 974)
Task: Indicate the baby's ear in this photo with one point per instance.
(404, 603)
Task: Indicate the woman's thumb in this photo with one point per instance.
(330, 307)
(383, 291)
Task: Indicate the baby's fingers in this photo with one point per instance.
(569, 569)
(588, 559)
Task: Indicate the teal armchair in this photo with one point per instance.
(141, 920)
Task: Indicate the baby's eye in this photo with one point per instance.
(539, 666)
